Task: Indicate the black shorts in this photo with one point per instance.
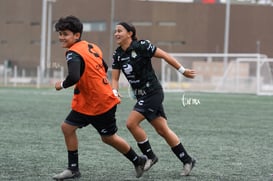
(150, 105)
(105, 123)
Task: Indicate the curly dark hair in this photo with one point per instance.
(70, 23)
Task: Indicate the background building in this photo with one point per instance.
(176, 27)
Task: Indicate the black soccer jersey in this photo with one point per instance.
(136, 64)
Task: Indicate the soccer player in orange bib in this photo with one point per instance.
(93, 101)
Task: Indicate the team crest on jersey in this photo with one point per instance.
(133, 54)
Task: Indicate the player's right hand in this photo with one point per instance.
(58, 85)
(189, 73)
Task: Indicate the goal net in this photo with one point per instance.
(262, 77)
(238, 73)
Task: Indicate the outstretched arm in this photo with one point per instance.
(189, 73)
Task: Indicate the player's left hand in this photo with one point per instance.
(189, 73)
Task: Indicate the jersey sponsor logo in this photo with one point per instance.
(134, 81)
(141, 102)
(68, 56)
(151, 47)
(127, 69)
(125, 58)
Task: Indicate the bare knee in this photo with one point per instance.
(64, 127)
(161, 132)
(107, 139)
(67, 129)
(130, 126)
(164, 131)
(161, 127)
(104, 139)
(133, 121)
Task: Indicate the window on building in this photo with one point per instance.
(171, 43)
(94, 26)
(3, 41)
(14, 22)
(142, 23)
(35, 23)
(166, 23)
(35, 42)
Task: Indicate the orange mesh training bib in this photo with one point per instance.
(93, 94)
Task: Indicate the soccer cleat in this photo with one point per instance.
(140, 168)
(149, 163)
(188, 167)
(67, 174)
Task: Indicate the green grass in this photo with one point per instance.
(230, 135)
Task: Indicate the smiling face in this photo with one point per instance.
(68, 38)
(123, 37)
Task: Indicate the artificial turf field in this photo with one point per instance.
(230, 135)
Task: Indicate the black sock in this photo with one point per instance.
(73, 160)
(146, 149)
(132, 156)
(181, 153)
